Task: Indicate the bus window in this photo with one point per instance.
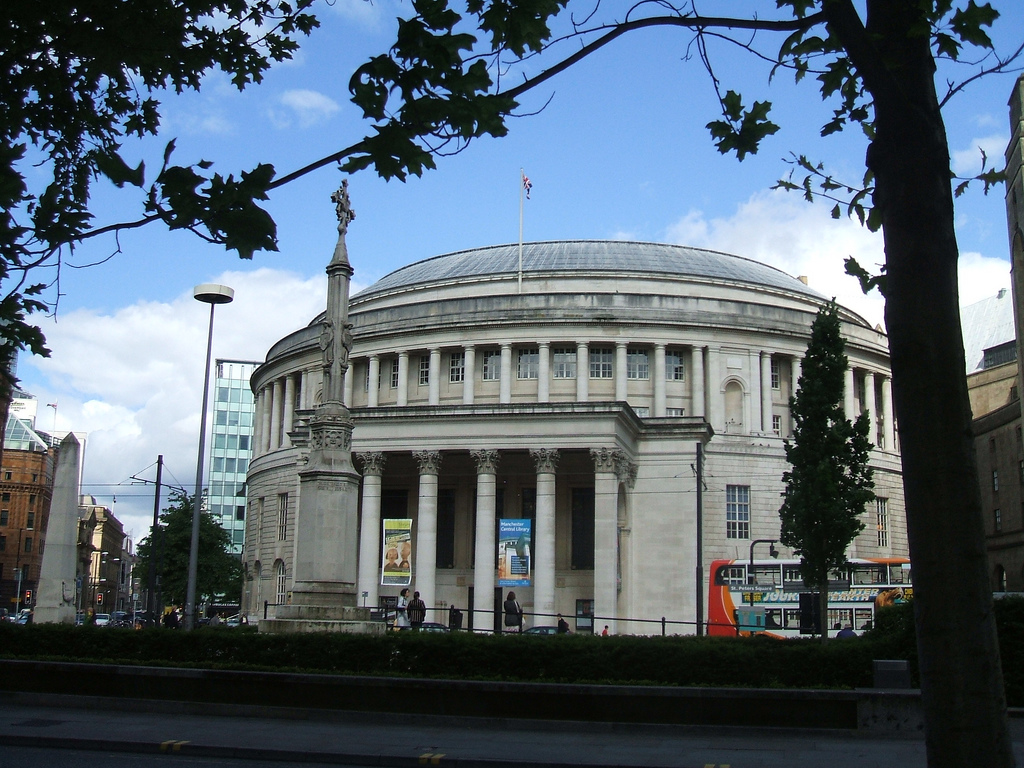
(791, 575)
(731, 574)
(840, 617)
(792, 618)
(899, 574)
(869, 574)
(773, 618)
(862, 618)
(767, 575)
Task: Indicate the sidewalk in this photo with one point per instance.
(381, 740)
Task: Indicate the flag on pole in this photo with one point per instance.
(527, 185)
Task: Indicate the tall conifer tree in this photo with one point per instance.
(830, 482)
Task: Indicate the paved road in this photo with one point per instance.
(228, 734)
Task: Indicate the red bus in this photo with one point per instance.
(773, 587)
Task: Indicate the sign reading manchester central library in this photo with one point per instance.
(514, 552)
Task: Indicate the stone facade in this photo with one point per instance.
(576, 401)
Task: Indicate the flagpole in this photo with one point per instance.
(522, 175)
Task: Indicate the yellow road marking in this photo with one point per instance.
(431, 758)
(172, 745)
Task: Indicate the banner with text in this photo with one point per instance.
(396, 570)
(514, 552)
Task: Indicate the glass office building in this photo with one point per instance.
(231, 447)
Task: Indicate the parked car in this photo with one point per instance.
(102, 619)
(433, 626)
(543, 629)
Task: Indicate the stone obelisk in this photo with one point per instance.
(56, 603)
(327, 527)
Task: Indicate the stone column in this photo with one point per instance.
(373, 382)
(505, 387)
(277, 417)
(348, 383)
(469, 380)
(305, 401)
(257, 423)
(659, 380)
(869, 406)
(369, 528)
(715, 399)
(55, 595)
(794, 376)
(849, 402)
(582, 372)
(486, 546)
(403, 378)
(425, 566)
(289, 410)
(543, 371)
(697, 407)
(268, 414)
(545, 460)
(620, 371)
(606, 498)
(766, 393)
(888, 425)
(434, 385)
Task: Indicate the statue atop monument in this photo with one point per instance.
(343, 207)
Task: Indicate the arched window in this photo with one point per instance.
(281, 581)
(1000, 579)
(733, 407)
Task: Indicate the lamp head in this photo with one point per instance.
(211, 293)
(772, 550)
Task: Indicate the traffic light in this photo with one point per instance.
(28, 596)
(99, 598)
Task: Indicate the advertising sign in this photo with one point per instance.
(396, 568)
(514, 552)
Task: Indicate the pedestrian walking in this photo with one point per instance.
(513, 614)
(417, 610)
(401, 616)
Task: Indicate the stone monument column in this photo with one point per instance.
(56, 602)
(326, 541)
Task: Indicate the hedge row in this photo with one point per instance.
(688, 661)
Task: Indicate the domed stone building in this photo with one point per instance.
(568, 384)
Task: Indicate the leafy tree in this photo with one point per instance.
(82, 75)
(830, 480)
(220, 572)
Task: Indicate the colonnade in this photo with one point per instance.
(709, 372)
(612, 468)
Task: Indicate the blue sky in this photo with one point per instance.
(617, 149)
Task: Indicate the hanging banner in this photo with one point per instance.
(514, 544)
(397, 554)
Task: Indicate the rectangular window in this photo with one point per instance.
(643, 413)
(28, 544)
(601, 362)
(457, 367)
(583, 529)
(5, 497)
(675, 411)
(240, 512)
(282, 516)
(776, 375)
(3, 543)
(445, 546)
(563, 361)
(529, 363)
(882, 521)
(1020, 470)
(777, 424)
(30, 520)
(737, 511)
(424, 371)
(637, 365)
(492, 366)
(4, 516)
(394, 373)
(995, 480)
(997, 520)
(366, 381)
(674, 368)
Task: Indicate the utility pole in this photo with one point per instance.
(700, 538)
(150, 606)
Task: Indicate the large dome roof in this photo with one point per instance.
(589, 255)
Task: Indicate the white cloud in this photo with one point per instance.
(307, 107)
(967, 161)
(133, 379)
(784, 231)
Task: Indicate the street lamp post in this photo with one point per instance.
(17, 576)
(212, 294)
